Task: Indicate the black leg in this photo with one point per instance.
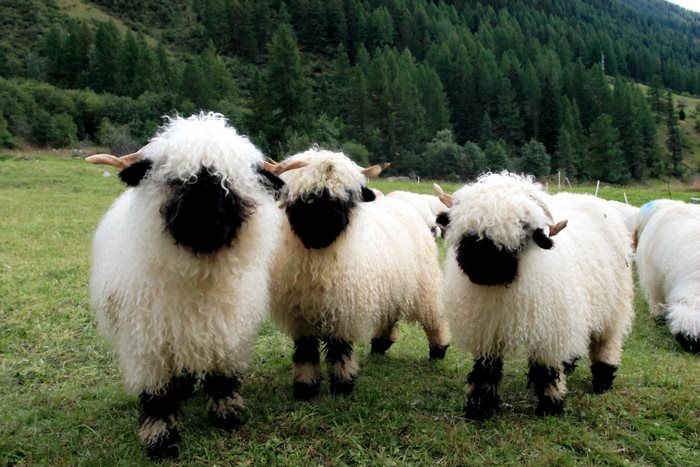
(437, 352)
(482, 383)
(342, 368)
(603, 376)
(224, 402)
(570, 365)
(159, 417)
(689, 343)
(382, 342)
(307, 371)
(550, 387)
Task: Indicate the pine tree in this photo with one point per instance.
(674, 142)
(507, 122)
(567, 153)
(535, 159)
(76, 53)
(550, 116)
(497, 158)
(105, 58)
(606, 157)
(486, 133)
(53, 55)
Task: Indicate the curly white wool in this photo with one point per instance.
(561, 297)
(668, 263)
(427, 206)
(383, 268)
(164, 309)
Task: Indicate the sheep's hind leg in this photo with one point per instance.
(438, 334)
(159, 424)
(384, 339)
(549, 384)
(307, 370)
(342, 367)
(570, 365)
(482, 388)
(605, 353)
(225, 404)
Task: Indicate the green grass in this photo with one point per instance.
(61, 399)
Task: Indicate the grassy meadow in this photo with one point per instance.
(62, 403)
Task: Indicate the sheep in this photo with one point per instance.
(668, 264)
(349, 266)
(180, 265)
(509, 286)
(628, 213)
(427, 206)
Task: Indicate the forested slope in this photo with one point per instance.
(444, 89)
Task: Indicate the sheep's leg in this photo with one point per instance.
(384, 339)
(438, 333)
(342, 367)
(482, 388)
(224, 402)
(159, 424)
(549, 384)
(307, 369)
(605, 351)
(570, 365)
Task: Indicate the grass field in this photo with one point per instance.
(61, 399)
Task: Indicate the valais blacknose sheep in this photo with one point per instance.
(349, 266)
(668, 263)
(427, 206)
(180, 269)
(509, 285)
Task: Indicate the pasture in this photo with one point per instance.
(61, 399)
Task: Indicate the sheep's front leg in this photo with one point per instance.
(342, 367)
(159, 424)
(438, 333)
(549, 384)
(384, 339)
(482, 388)
(224, 402)
(307, 370)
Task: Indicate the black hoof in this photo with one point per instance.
(548, 406)
(689, 344)
(437, 352)
(228, 422)
(305, 391)
(341, 388)
(380, 345)
(603, 376)
(166, 447)
(481, 408)
(571, 365)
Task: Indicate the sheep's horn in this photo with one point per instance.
(287, 165)
(375, 170)
(269, 166)
(118, 162)
(444, 197)
(558, 227)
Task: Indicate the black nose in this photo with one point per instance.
(484, 263)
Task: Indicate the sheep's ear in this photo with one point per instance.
(444, 197)
(368, 194)
(443, 219)
(271, 182)
(635, 239)
(132, 174)
(542, 240)
(558, 227)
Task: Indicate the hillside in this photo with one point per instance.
(442, 89)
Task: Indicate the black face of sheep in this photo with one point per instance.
(485, 263)
(319, 219)
(202, 215)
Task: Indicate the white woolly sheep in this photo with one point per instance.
(508, 285)
(180, 268)
(668, 263)
(628, 213)
(349, 266)
(427, 206)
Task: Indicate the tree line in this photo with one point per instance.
(442, 90)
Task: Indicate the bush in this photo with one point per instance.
(117, 138)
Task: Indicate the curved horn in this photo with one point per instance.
(118, 162)
(444, 197)
(558, 227)
(375, 170)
